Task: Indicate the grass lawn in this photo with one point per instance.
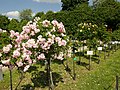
(101, 76)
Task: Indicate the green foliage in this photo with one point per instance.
(13, 25)
(71, 19)
(116, 35)
(39, 14)
(71, 4)
(108, 12)
(4, 39)
(4, 21)
(21, 24)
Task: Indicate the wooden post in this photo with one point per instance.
(74, 74)
(117, 83)
(104, 52)
(1, 73)
(99, 57)
(51, 84)
(10, 69)
(74, 59)
(89, 62)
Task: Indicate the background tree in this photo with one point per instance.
(108, 12)
(26, 14)
(4, 21)
(71, 4)
(71, 19)
(97, 2)
(21, 24)
(39, 14)
(13, 25)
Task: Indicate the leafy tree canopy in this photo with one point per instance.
(108, 12)
(4, 21)
(26, 14)
(13, 25)
(71, 4)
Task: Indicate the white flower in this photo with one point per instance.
(5, 62)
(19, 64)
(16, 53)
(57, 39)
(30, 43)
(26, 68)
(46, 23)
(39, 37)
(60, 56)
(37, 30)
(54, 22)
(6, 49)
(41, 56)
(9, 45)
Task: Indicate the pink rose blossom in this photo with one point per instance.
(9, 45)
(32, 26)
(30, 43)
(54, 22)
(46, 23)
(57, 39)
(16, 53)
(25, 55)
(17, 34)
(37, 30)
(61, 28)
(63, 43)
(60, 56)
(27, 31)
(26, 36)
(12, 33)
(32, 33)
(20, 64)
(5, 62)
(6, 49)
(41, 57)
(30, 61)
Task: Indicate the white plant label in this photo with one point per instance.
(113, 42)
(89, 52)
(99, 48)
(116, 42)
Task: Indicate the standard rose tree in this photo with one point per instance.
(38, 41)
